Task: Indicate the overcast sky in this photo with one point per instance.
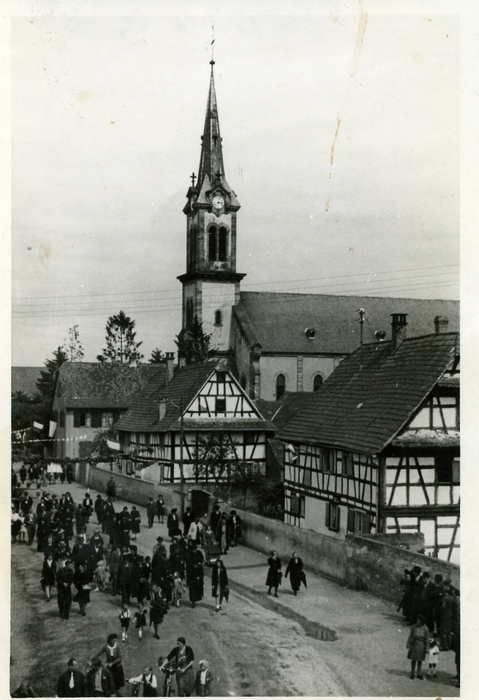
(340, 139)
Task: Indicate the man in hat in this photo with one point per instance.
(173, 522)
(159, 548)
(87, 505)
(71, 683)
(427, 600)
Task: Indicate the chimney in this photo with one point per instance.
(398, 328)
(170, 364)
(440, 324)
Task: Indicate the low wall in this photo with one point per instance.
(359, 562)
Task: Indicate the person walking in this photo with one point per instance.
(113, 661)
(195, 575)
(140, 618)
(158, 608)
(99, 681)
(125, 619)
(173, 522)
(149, 682)
(203, 680)
(219, 583)
(64, 589)
(71, 683)
(82, 579)
(135, 521)
(296, 574)
(222, 534)
(183, 658)
(150, 511)
(160, 508)
(49, 570)
(273, 579)
(417, 646)
(233, 527)
(178, 589)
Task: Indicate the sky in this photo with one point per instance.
(340, 138)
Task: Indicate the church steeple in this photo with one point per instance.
(211, 285)
(211, 160)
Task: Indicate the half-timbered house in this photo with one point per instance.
(169, 425)
(376, 450)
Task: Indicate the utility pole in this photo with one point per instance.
(361, 324)
(182, 475)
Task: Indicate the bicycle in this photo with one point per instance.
(169, 672)
(135, 691)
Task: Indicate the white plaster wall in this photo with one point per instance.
(270, 368)
(315, 518)
(218, 296)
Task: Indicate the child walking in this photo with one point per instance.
(178, 589)
(140, 616)
(432, 658)
(125, 617)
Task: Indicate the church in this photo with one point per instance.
(274, 342)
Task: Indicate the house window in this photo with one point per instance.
(96, 419)
(212, 244)
(280, 386)
(220, 404)
(62, 419)
(329, 460)
(218, 318)
(250, 438)
(221, 378)
(307, 477)
(332, 516)
(222, 244)
(79, 419)
(116, 416)
(447, 469)
(348, 465)
(317, 382)
(189, 313)
(359, 522)
(298, 505)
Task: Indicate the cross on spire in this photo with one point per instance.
(193, 178)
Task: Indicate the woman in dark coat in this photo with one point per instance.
(417, 645)
(160, 509)
(219, 583)
(194, 575)
(273, 579)
(158, 608)
(296, 573)
(81, 581)
(49, 571)
(135, 520)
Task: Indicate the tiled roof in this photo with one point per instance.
(187, 382)
(277, 321)
(281, 412)
(25, 378)
(103, 384)
(372, 394)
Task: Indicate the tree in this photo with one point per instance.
(247, 476)
(24, 410)
(73, 346)
(214, 457)
(157, 357)
(46, 385)
(193, 344)
(120, 340)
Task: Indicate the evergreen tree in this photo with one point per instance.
(157, 357)
(120, 340)
(193, 344)
(46, 384)
(73, 346)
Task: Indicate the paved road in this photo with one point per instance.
(328, 641)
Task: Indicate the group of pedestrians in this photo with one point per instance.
(294, 569)
(431, 604)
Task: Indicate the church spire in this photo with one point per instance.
(211, 160)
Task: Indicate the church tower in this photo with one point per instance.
(211, 285)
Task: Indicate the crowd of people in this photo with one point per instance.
(108, 561)
(431, 604)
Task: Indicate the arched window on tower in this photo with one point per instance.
(317, 382)
(280, 386)
(223, 244)
(218, 318)
(243, 381)
(212, 247)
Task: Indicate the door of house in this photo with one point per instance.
(199, 502)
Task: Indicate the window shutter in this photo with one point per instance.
(351, 520)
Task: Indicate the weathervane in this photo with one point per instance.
(212, 47)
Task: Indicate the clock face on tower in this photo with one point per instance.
(218, 202)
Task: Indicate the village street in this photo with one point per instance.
(328, 641)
